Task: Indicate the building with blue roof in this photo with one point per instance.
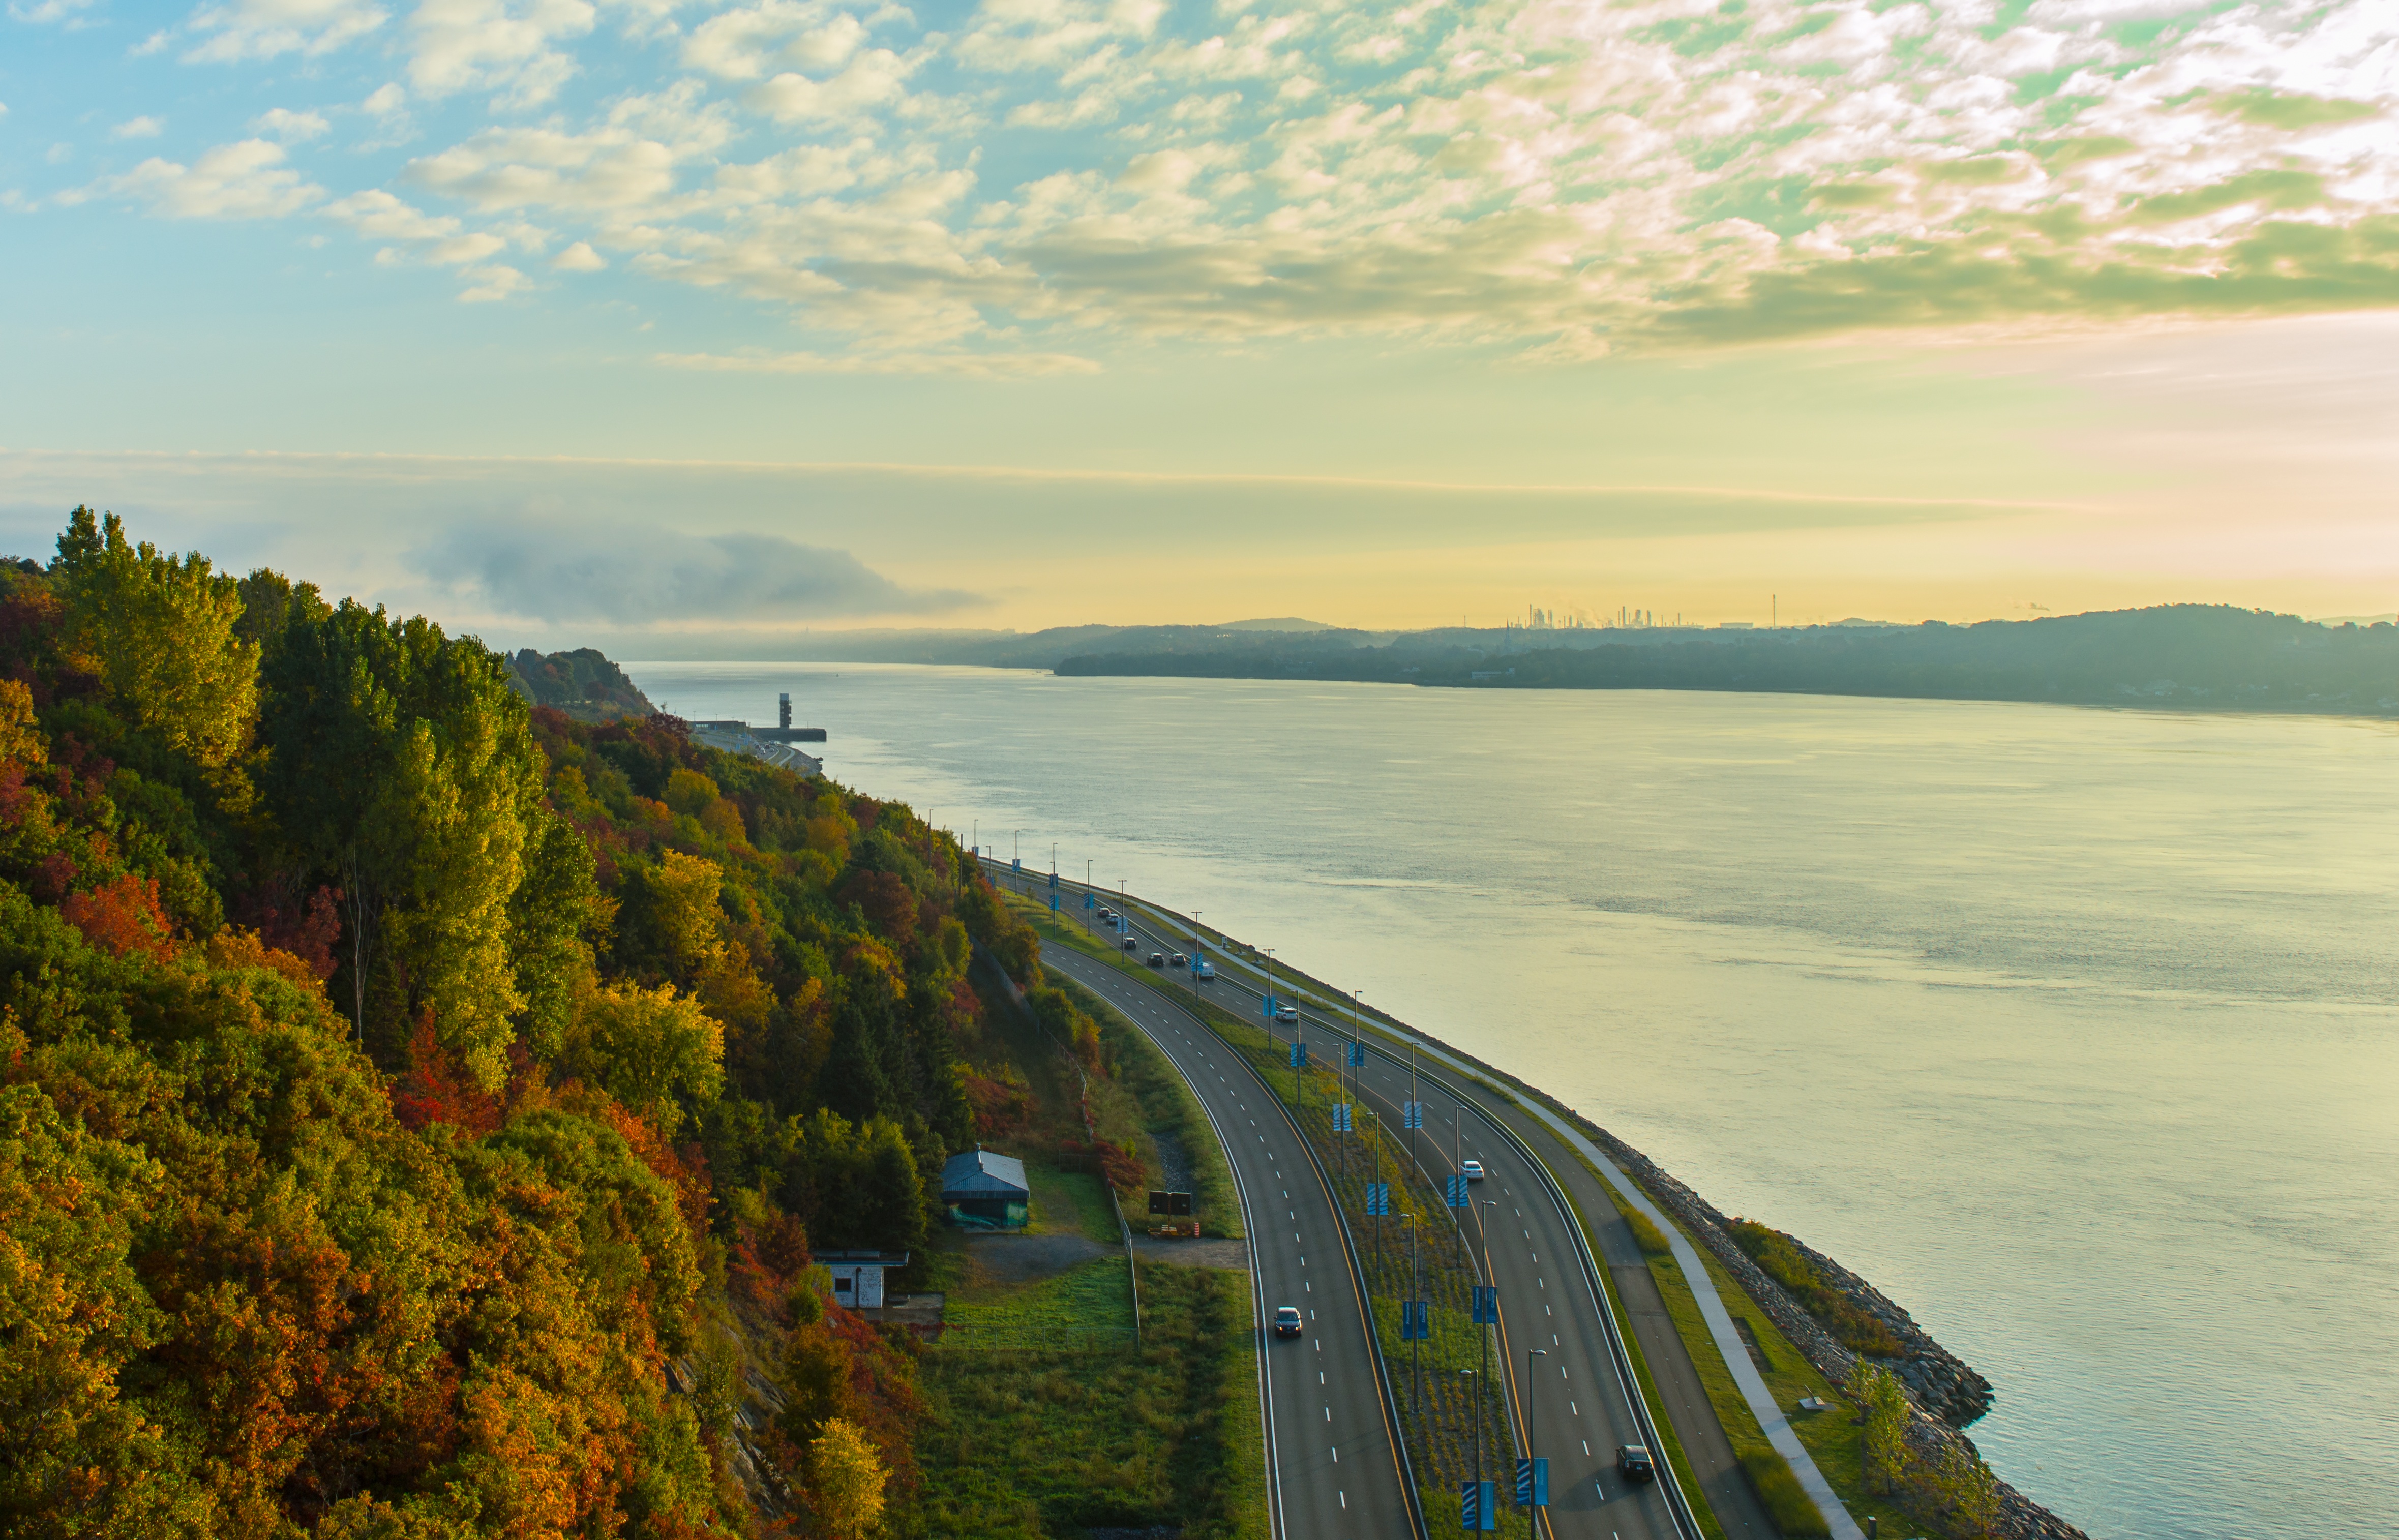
(984, 1190)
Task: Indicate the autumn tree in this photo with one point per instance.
(654, 1049)
(846, 1481)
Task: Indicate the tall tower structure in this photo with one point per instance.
(784, 710)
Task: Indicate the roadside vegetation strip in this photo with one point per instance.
(1023, 1443)
(1167, 1107)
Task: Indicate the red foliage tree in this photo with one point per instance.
(437, 1089)
(123, 918)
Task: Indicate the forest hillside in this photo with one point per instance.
(398, 1075)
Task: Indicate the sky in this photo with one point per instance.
(562, 318)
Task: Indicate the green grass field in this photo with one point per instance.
(1057, 1435)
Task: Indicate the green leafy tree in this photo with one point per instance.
(401, 766)
(1884, 1444)
(163, 634)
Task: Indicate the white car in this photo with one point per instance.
(1286, 1015)
(1473, 1169)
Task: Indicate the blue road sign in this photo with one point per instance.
(1478, 1506)
(1090, 900)
(1266, 1005)
(1454, 1192)
(1486, 1304)
(1053, 902)
(1412, 1115)
(1357, 1055)
(1533, 1483)
(1298, 1055)
(1416, 1320)
(1054, 882)
(1378, 1198)
(1017, 866)
(1341, 1117)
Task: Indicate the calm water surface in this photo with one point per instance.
(2075, 1030)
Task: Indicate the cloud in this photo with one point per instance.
(290, 126)
(1554, 179)
(242, 180)
(644, 576)
(963, 365)
(263, 29)
(487, 285)
(49, 12)
(138, 127)
(502, 45)
(579, 258)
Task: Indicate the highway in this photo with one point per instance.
(1584, 1490)
(1586, 1496)
(1334, 1466)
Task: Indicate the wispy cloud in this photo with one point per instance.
(962, 364)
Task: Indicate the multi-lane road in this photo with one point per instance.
(1572, 1390)
(1335, 1465)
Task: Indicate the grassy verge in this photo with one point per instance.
(1070, 1203)
(1166, 1108)
(1051, 1438)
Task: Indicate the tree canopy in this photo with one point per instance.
(392, 1070)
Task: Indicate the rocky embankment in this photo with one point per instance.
(1945, 1392)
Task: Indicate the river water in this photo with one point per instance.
(2077, 1032)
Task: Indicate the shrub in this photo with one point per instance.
(1786, 1501)
(1853, 1327)
(1647, 1235)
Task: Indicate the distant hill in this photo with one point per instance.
(1283, 623)
(583, 683)
(2207, 656)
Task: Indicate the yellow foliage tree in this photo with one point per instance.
(651, 1050)
(846, 1481)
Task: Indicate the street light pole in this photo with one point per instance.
(1474, 1391)
(1530, 1354)
(1271, 999)
(1192, 964)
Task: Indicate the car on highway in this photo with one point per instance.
(1204, 971)
(1133, 943)
(1180, 961)
(1158, 959)
(1287, 1321)
(1287, 1015)
(1632, 1463)
(1472, 1169)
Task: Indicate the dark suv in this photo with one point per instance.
(1287, 1321)
(1632, 1463)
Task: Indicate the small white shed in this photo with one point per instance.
(857, 1276)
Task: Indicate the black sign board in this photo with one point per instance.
(1170, 1203)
